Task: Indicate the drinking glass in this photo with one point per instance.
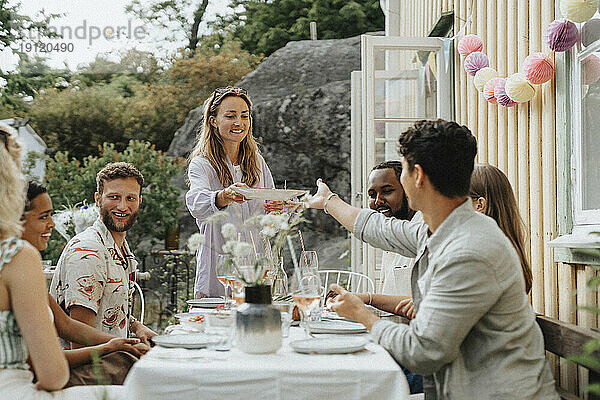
(285, 308)
(225, 274)
(306, 294)
(308, 263)
(220, 326)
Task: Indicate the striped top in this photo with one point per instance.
(13, 352)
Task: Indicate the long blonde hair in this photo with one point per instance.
(12, 186)
(210, 144)
(490, 183)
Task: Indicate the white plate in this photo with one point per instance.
(186, 341)
(329, 345)
(336, 327)
(268, 194)
(207, 302)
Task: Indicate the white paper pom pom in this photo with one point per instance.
(484, 75)
(518, 89)
(578, 10)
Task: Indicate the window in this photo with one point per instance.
(585, 155)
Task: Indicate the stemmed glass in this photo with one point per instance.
(306, 293)
(225, 274)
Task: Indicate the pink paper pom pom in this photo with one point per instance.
(590, 69)
(538, 68)
(561, 35)
(475, 61)
(488, 90)
(469, 44)
(590, 32)
(501, 96)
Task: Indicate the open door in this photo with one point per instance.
(402, 80)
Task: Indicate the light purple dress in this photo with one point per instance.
(200, 200)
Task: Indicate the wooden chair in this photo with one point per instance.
(565, 339)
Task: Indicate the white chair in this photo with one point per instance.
(352, 281)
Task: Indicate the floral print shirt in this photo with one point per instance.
(94, 273)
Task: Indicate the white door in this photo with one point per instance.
(402, 80)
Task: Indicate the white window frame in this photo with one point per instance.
(363, 255)
(583, 220)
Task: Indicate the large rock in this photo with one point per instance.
(301, 99)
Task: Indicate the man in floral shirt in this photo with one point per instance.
(92, 279)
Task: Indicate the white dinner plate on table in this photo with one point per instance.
(186, 341)
(336, 326)
(329, 345)
(207, 302)
(268, 194)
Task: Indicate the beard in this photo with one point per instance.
(117, 226)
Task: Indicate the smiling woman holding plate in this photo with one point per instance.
(226, 156)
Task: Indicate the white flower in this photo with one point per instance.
(229, 247)
(216, 217)
(242, 249)
(195, 241)
(268, 231)
(85, 217)
(268, 220)
(62, 221)
(229, 231)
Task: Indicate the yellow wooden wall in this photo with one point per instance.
(521, 141)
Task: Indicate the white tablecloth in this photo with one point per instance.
(286, 375)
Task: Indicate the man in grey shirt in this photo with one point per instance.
(474, 330)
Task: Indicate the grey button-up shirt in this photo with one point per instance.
(474, 330)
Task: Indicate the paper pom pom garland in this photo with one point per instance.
(590, 69)
(590, 32)
(518, 89)
(488, 90)
(538, 68)
(468, 44)
(561, 35)
(578, 10)
(475, 61)
(501, 96)
(484, 75)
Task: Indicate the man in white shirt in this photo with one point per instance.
(387, 196)
(92, 279)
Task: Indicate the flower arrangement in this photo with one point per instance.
(251, 262)
(75, 219)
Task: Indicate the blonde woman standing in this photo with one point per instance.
(27, 336)
(225, 155)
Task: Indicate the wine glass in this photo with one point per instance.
(306, 293)
(308, 260)
(225, 274)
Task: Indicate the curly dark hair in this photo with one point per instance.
(118, 170)
(34, 189)
(446, 152)
(392, 164)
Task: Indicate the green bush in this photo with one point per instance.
(70, 181)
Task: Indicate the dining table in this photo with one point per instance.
(178, 373)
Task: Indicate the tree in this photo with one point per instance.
(166, 13)
(15, 27)
(71, 181)
(264, 26)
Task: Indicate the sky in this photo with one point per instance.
(84, 26)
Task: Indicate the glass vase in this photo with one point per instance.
(258, 323)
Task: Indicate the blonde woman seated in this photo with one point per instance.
(115, 355)
(27, 336)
